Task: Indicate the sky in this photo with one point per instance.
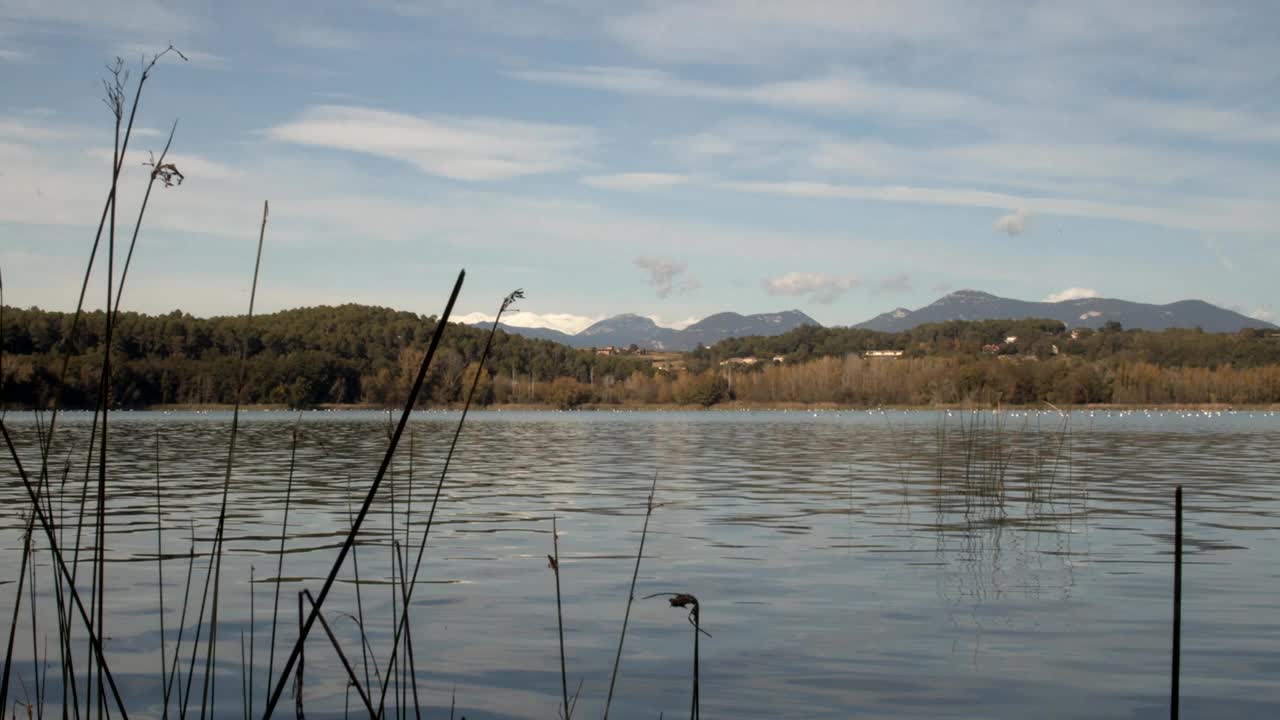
(665, 158)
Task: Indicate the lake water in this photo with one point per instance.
(848, 564)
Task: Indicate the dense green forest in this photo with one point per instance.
(1035, 338)
(300, 358)
(355, 354)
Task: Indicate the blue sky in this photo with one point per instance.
(672, 159)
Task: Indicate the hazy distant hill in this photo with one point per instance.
(628, 329)
(1086, 312)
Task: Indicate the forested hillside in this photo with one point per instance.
(300, 358)
(355, 354)
(1035, 338)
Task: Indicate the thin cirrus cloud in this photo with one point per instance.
(842, 91)
(635, 181)
(1228, 216)
(474, 149)
(667, 277)
(818, 287)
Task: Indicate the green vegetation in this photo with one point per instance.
(1035, 338)
(300, 358)
(354, 354)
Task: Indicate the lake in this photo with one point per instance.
(905, 564)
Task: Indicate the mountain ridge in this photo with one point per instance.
(1093, 312)
(629, 329)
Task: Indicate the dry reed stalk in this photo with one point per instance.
(274, 698)
(631, 597)
(507, 302)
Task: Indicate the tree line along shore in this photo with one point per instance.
(360, 356)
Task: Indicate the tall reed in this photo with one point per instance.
(368, 501)
(631, 596)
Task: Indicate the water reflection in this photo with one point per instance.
(883, 564)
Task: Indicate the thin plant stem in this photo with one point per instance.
(408, 632)
(160, 577)
(47, 526)
(284, 526)
(507, 302)
(355, 567)
(555, 567)
(631, 596)
(352, 680)
(368, 501)
(17, 609)
(216, 561)
(174, 673)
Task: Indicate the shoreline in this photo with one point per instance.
(719, 407)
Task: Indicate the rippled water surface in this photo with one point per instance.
(868, 564)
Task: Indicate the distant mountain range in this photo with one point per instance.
(626, 330)
(1084, 312)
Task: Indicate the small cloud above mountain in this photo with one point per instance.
(1072, 293)
(667, 276)
(818, 287)
(1014, 223)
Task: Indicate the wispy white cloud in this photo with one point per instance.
(1014, 223)
(818, 287)
(135, 17)
(840, 91)
(635, 181)
(316, 37)
(754, 31)
(462, 148)
(1265, 314)
(667, 276)
(1242, 216)
(1071, 293)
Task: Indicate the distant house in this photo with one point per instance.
(740, 361)
(991, 348)
(882, 354)
(1011, 339)
(610, 350)
(1075, 334)
(779, 359)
